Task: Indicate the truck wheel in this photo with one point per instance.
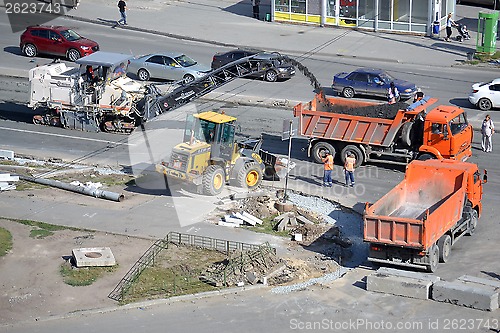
(250, 176)
(444, 245)
(425, 157)
(319, 149)
(473, 222)
(213, 180)
(433, 259)
(406, 133)
(348, 92)
(358, 154)
(484, 104)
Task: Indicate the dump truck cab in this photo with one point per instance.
(447, 134)
(210, 156)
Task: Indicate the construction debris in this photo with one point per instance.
(6, 181)
(290, 220)
(238, 219)
(243, 267)
(6, 154)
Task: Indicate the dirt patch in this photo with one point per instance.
(31, 285)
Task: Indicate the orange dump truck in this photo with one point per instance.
(379, 132)
(419, 220)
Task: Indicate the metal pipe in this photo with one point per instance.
(93, 192)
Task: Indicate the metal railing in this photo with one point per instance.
(148, 258)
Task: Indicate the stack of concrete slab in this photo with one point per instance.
(401, 283)
(289, 220)
(6, 181)
(469, 291)
(238, 219)
(6, 154)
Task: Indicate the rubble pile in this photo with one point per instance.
(244, 267)
(260, 206)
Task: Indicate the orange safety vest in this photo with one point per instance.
(328, 162)
(349, 163)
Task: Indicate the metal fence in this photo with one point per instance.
(148, 258)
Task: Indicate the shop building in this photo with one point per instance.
(411, 16)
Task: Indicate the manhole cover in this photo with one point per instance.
(93, 255)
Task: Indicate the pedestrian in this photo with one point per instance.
(449, 23)
(123, 12)
(349, 164)
(419, 95)
(487, 130)
(255, 5)
(392, 93)
(328, 168)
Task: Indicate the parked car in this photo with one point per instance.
(492, 3)
(485, 95)
(273, 66)
(167, 66)
(372, 82)
(56, 40)
(223, 58)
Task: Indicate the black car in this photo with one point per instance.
(272, 65)
(221, 59)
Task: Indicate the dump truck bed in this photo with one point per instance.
(420, 209)
(352, 121)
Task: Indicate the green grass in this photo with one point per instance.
(40, 233)
(5, 241)
(482, 57)
(84, 276)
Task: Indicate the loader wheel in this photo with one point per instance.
(250, 176)
(213, 180)
(348, 92)
(319, 150)
(425, 157)
(358, 154)
(433, 259)
(444, 245)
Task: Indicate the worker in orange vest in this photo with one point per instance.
(350, 162)
(328, 166)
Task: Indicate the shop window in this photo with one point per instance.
(330, 8)
(313, 7)
(348, 10)
(282, 5)
(419, 12)
(299, 6)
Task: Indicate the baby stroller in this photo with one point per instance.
(463, 33)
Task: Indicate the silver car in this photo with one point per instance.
(168, 66)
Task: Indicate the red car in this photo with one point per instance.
(56, 40)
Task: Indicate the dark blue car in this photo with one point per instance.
(372, 82)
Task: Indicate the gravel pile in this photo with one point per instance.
(303, 285)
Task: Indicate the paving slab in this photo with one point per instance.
(399, 285)
(461, 293)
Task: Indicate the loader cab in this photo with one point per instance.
(447, 133)
(215, 129)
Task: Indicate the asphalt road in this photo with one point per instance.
(260, 310)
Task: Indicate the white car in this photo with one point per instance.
(486, 95)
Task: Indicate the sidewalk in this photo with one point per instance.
(229, 23)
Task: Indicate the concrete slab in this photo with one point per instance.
(478, 280)
(409, 274)
(399, 285)
(93, 256)
(6, 177)
(244, 218)
(250, 216)
(468, 295)
(6, 154)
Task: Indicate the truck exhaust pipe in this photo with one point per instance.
(93, 192)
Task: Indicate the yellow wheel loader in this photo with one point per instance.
(210, 157)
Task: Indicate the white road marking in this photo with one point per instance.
(67, 136)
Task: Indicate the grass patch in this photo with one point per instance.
(483, 57)
(5, 241)
(40, 233)
(84, 276)
(95, 177)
